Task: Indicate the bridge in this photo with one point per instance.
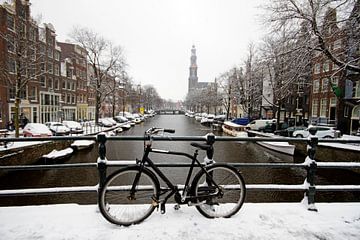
(170, 112)
(310, 165)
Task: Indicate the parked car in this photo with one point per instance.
(288, 132)
(36, 130)
(111, 120)
(120, 119)
(58, 128)
(103, 122)
(259, 123)
(321, 132)
(268, 128)
(75, 127)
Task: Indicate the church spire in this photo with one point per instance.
(193, 79)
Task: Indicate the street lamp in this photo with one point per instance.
(123, 89)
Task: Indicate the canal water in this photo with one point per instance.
(231, 152)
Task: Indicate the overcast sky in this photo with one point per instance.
(157, 35)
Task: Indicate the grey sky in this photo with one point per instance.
(157, 35)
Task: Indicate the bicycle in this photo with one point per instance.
(131, 194)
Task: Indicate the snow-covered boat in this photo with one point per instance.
(82, 144)
(234, 129)
(282, 147)
(208, 120)
(58, 154)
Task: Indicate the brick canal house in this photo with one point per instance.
(54, 75)
(335, 92)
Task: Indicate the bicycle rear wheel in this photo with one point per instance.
(115, 202)
(232, 186)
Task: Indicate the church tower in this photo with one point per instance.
(193, 79)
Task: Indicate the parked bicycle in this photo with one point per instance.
(131, 194)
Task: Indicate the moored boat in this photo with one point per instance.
(82, 144)
(58, 154)
(208, 120)
(282, 147)
(234, 129)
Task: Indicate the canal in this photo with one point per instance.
(231, 152)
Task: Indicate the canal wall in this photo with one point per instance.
(325, 152)
(30, 154)
(328, 153)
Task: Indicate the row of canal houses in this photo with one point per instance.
(326, 94)
(56, 73)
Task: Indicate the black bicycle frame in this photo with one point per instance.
(172, 187)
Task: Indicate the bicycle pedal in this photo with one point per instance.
(162, 208)
(176, 207)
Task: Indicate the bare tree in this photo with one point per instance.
(24, 57)
(286, 65)
(102, 56)
(315, 13)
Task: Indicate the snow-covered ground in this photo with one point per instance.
(254, 221)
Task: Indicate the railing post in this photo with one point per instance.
(311, 172)
(101, 162)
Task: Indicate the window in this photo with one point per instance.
(12, 92)
(10, 22)
(323, 107)
(23, 30)
(42, 49)
(317, 68)
(68, 85)
(337, 44)
(73, 99)
(32, 93)
(11, 65)
(51, 83)
(32, 34)
(335, 80)
(346, 111)
(10, 43)
(69, 72)
(50, 68)
(357, 89)
(325, 85)
(315, 107)
(73, 86)
(64, 84)
(57, 55)
(32, 53)
(42, 67)
(316, 86)
(42, 81)
(56, 84)
(31, 72)
(333, 102)
(326, 66)
(68, 99)
(50, 52)
(56, 70)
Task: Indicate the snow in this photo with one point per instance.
(254, 221)
(57, 154)
(82, 143)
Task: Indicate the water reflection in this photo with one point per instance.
(231, 152)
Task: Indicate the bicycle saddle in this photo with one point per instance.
(201, 146)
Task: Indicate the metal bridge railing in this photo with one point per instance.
(102, 164)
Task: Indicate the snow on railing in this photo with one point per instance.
(103, 164)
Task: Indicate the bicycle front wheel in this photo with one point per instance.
(232, 191)
(116, 203)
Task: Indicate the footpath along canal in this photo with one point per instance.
(231, 152)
